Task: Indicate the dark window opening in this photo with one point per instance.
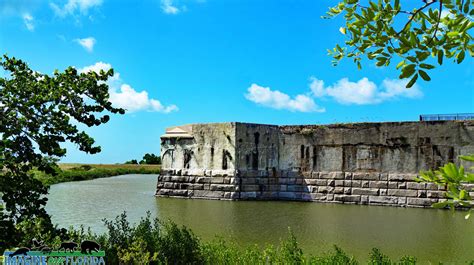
(187, 158)
(255, 160)
(314, 157)
(302, 151)
(257, 138)
(225, 155)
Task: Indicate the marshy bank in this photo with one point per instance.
(79, 172)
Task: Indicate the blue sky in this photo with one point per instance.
(192, 61)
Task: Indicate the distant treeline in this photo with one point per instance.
(148, 159)
(88, 172)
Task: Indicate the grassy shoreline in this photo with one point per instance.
(78, 172)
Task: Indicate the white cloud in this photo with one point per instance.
(395, 88)
(28, 20)
(275, 99)
(131, 100)
(124, 96)
(87, 43)
(96, 67)
(72, 6)
(364, 91)
(168, 7)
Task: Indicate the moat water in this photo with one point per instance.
(430, 235)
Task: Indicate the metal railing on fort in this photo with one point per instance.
(447, 117)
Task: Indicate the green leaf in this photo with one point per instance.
(397, 4)
(427, 66)
(412, 81)
(467, 158)
(400, 64)
(460, 57)
(440, 57)
(407, 71)
(440, 205)
(452, 34)
(424, 75)
(421, 56)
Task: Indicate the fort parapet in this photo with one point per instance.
(363, 163)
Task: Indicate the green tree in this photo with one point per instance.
(132, 162)
(416, 36)
(38, 113)
(457, 181)
(151, 159)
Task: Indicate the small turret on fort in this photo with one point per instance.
(363, 163)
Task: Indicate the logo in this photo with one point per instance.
(88, 252)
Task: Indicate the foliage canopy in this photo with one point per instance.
(38, 113)
(416, 36)
(457, 181)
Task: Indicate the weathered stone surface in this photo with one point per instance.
(218, 180)
(402, 201)
(383, 199)
(348, 175)
(331, 175)
(367, 163)
(248, 180)
(250, 187)
(203, 180)
(339, 183)
(402, 193)
(362, 191)
(364, 199)
(325, 189)
(415, 186)
(378, 184)
(287, 195)
(171, 185)
(222, 187)
(347, 198)
(401, 177)
(208, 194)
(364, 184)
(356, 183)
(310, 181)
(248, 195)
(392, 185)
(431, 186)
(435, 194)
(179, 179)
(426, 202)
(318, 196)
(383, 176)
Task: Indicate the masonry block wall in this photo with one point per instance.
(365, 163)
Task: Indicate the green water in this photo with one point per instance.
(431, 235)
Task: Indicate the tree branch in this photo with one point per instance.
(437, 24)
(414, 15)
(394, 11)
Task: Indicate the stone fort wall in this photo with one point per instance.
(364, 163)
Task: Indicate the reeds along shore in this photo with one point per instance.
(78, 172)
